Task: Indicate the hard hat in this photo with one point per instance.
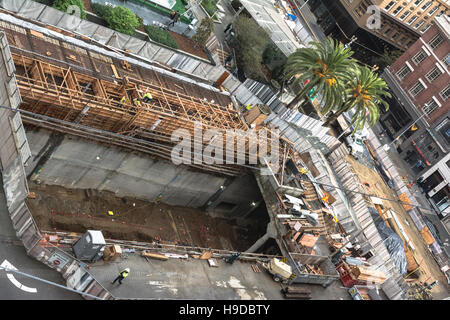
(127, 269)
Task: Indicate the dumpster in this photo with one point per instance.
(313, 269)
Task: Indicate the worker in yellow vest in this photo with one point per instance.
(136, 102)
(123, 100)
(122, 275)
(249, 107)
(303, 170)
(147, 97)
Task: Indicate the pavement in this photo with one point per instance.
(193, 279)
(147, 14)
(18, 287)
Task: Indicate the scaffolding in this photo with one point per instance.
(65, 88)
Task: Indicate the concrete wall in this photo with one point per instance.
(82, 164)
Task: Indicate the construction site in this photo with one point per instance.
(83, 151)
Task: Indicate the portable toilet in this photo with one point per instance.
(90, 246)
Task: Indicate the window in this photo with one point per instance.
(431, 106)
(440, 13)
(432, 11)
(419, 57)
(403, 72)
(419, 24)
(387, 31)
(416, 89)
(433, 74)
(444, 129)
(405, 14)
(426, 5)
(409, 43)
(395, 35)
(397, 10)
(436, 41)
(413, 18)
(445, 93)
(390, 5)
(446, 60)
(418, 2)
(426, 28)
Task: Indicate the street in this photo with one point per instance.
(429, 215)
(12, 253)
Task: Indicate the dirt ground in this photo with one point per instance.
(188, 45)
(73, 210)
(429, 269)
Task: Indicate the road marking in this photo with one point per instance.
(6, 264)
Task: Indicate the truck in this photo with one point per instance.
(281, 271)
(355, 143)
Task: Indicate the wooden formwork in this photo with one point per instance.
(66, 93)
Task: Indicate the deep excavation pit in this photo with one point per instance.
(56, 208)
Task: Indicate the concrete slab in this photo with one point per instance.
(195, 279)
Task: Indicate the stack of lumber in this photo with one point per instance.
(296, 292)
(154, 255)
(426, 235)
(313, 269)
(368, 275)
(308, 240)
(412, 264)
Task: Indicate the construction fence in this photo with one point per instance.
(14, 153)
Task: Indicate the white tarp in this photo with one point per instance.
(12, 5)
(163, 55)
(69, 22)
(86, 28)
(102, 34)
(119, 40)
(149, 50)
(31, 9)
(135, 45)
(51, 16)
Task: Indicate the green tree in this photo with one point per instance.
(203, 31)
(363, 93)
(326, 65)
(122, 20)
(251, 41)
(63, 5)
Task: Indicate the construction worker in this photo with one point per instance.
(123, 100)
(136, 102)
(122, 275)
(249, 107)
(303, 170)
(147, 97)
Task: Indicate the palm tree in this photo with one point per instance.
(363, 93)
(326, 65)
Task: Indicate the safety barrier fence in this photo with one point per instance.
(13, 154)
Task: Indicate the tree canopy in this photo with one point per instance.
(327, 68)
(251, 43)
(203, 31)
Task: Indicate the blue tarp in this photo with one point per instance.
(393, 242)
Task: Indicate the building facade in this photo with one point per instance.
(398, 24)
(419, 115)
